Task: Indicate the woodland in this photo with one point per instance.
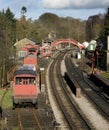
(48, 27)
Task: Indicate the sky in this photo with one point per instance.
(80, 9)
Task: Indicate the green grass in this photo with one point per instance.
(105, 75)
(2, 91)
(7, 100)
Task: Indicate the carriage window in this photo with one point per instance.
(32, 80)
(25, 80)
(18, 80)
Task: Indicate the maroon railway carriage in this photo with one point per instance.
(25, 87)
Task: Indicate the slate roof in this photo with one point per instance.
(25, 40)
(25, 70)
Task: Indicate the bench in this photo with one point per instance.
(73, 84)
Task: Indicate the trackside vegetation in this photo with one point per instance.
(6, 98)
(48, 26)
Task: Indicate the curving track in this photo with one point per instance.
(89, 88)
(73, 116)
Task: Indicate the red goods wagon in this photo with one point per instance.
(30, 60)
(25, 87)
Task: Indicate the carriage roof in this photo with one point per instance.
(25, 70)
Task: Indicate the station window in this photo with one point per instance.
(47, 50)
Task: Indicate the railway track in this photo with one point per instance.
(27, 119)
(73, 116)
(22, 119)
(89, 89)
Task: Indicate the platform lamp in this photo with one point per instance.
(92, 48)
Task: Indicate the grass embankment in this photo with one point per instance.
(7, 99)
(105, 75)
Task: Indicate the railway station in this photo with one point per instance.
(68, 80)
(58, 83)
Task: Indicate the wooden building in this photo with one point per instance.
(46, 50)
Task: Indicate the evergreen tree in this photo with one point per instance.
(9, 14)
(7, 39)
(23, 10)
(106, 23)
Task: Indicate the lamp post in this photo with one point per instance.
(92, 48)
(93, 61)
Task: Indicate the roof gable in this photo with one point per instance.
(24, 42)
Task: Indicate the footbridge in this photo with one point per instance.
(70, 41)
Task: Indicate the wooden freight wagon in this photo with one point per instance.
(30, 60)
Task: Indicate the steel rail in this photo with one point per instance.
(19, 119)
(36, 119)
(101, 105)
(67, 115)
(82, 118)
(52, 83)
(20, 123)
